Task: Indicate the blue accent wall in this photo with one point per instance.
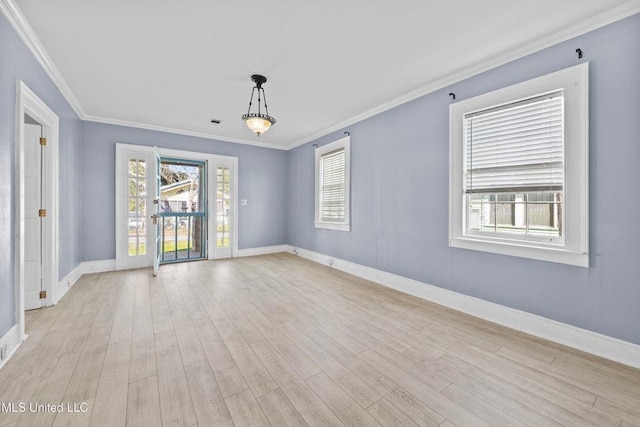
(261, 174)
(17, 62)
(399, 194)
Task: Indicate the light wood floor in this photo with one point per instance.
(277, 340)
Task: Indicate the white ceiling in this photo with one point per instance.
(176, 65)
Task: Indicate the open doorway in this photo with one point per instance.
(182, 210)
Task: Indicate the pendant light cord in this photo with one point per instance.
(251, 100)
(264, 96)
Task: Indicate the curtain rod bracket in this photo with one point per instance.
(452, 95)
(579, 52)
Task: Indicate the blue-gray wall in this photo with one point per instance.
(399, 190)
(16, 62)
(261, 172)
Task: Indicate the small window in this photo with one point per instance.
(332, 185)
(519, 169)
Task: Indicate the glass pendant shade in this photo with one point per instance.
(258, 122)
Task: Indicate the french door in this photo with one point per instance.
(157, 246)
(173, 206)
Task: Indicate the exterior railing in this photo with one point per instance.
(184, 236)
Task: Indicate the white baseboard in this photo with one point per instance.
(261, 251)
(68, 281)
(581, 339)
(12, 341)
(88, 267)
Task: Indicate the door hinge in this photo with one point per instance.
(42, 212)
(43, 294)
(43, 141)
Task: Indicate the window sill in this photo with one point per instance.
(338, 226)
(522, 250)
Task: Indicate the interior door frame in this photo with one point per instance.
(27, 102)
(211, 160)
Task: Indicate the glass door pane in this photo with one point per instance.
(137, 202)
(182, 209)
(223, 207)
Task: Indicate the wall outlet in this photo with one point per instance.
(243, 202)
(295, 251)
(330, 262)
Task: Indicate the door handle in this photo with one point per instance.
(155, 201)
(154, 217)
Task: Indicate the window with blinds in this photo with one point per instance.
(514, 167)
(519, 169)
(332, 186)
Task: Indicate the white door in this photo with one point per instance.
(158, 246)
(32, 220)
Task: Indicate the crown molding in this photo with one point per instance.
(26, 33)
(612, 15)
(146, 126)
(28, 36)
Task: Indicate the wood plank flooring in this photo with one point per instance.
(281, 341)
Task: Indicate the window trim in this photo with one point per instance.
(574, 82)
(319, 152)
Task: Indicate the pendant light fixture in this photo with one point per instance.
(258, 122)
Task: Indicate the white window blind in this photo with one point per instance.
(517, 147)
(332, 186)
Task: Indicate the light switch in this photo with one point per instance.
(243, 202)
